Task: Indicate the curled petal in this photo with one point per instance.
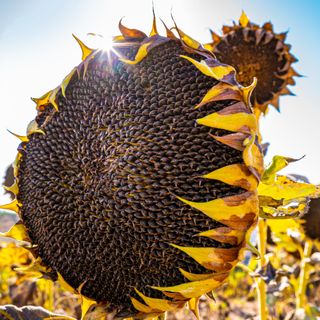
(131, 33)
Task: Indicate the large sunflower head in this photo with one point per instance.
(136, 184)
(257, 51)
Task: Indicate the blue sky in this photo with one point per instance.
(37, 51)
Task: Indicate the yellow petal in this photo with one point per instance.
(224, 235)
(21, 138)
(236, 122)
(47, 98)
(129, 33)
(194, 307)
(140, 306)
(187, 40)
(217, 72)
(221, 91)
(157, 305)
(253, 158)
(13, 188)
(13, 206)
(193, 289)
(142, 53)
(236, 211)
(17, 232)
(154, 30)
(247, 91)
(16, 164)
(34, 128)
(65, 285)
(170, 34)
(86, 51)
(233, 140)
(86, 303)
(66, 81)
(36, 268)
(235, 175)
(53, 97)
(216, 259)
(118, 38)
(195, 277)
(244, 20)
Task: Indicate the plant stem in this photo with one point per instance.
(261, 285)
(304, 275)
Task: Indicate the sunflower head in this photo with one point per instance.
(311, 220)
(257, 51)
(136, 184)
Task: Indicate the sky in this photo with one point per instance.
(37, 50)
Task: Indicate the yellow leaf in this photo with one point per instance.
(277, 164)
(286, 189)
(235, 175)
(282, 225)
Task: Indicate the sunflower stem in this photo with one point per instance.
(261, 285)
(304, 275)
